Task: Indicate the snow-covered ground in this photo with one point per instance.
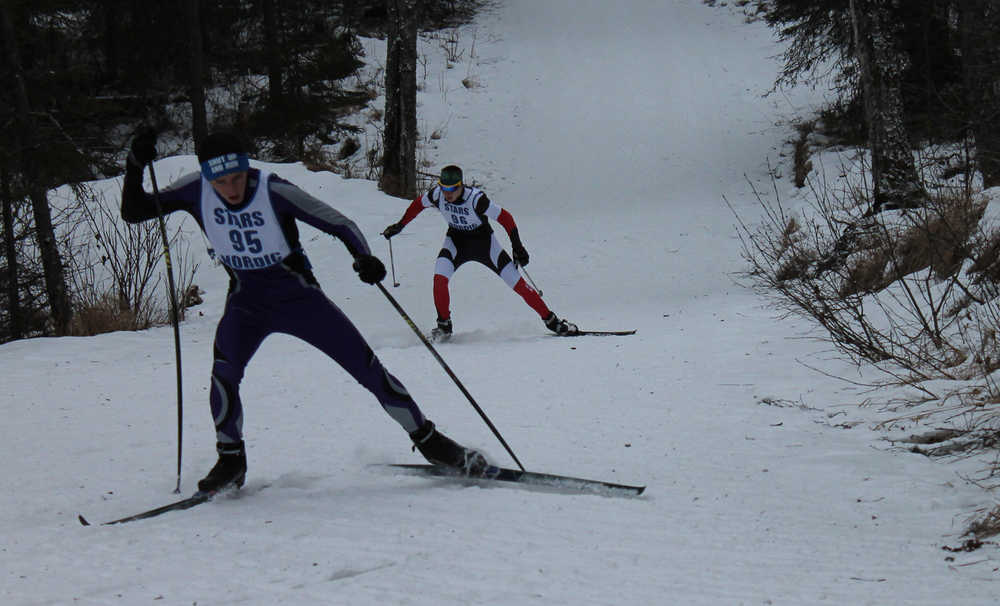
(611, 131)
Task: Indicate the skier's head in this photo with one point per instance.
(224, 163)
(450, 182)
(222, 153)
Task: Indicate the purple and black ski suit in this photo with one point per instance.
(271, 286)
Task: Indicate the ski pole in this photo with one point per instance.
(392, 264)
(174, 319)
(450, 373)
(530, 281)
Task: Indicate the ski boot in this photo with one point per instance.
(560, 327)
(439, 449)
(229, 470)
(442, 332)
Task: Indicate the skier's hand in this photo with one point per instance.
(369, 269)
(392, 230)
(143, 149)
(520, 254)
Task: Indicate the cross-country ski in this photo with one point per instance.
(196, 499)
(530, 478)
(601, 333)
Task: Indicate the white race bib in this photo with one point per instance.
(248, 238)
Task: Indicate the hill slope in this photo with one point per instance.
(611, 133)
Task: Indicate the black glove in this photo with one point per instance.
(143, 150)
(369, 269)
(392, 230)
(520, 254)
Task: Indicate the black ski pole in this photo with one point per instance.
(174, 319)
(392, 264)
(530, 281)
(450, 373)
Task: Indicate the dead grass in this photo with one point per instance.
(986, 526)
(107, 313)
(803, 166)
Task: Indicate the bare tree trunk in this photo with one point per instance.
(16, 323)
(55, 279)
(275, 73)
(882, 63)
(399, 161)
(196, 62)
(978, 23)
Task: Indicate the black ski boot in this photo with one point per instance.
(443, 330)
(439, 449)
(560, 327)
(229, 470)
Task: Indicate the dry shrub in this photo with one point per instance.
(316, 159)
(802, 163)
(912, 293)
(107, 313)
(937, 237)
(790, 236)
(115, 269)
(865, 274)
(887, 287)
(940, 239)
(794, 266)
(986, 260)
(987, 526)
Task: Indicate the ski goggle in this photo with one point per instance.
(449, 187)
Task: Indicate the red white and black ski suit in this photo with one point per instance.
(470, 238)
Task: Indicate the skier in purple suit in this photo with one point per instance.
(249, 218)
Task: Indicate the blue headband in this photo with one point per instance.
(223, 165)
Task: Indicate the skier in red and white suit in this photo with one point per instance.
(467, 210)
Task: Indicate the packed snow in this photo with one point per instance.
(612, 132)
